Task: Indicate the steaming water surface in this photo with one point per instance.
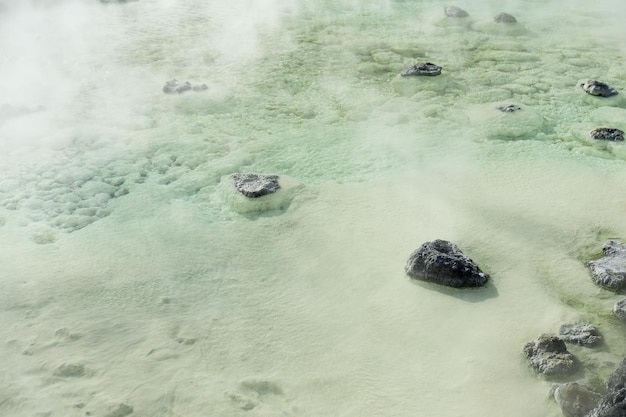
(130, 279)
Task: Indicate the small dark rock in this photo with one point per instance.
(598, 88)
(607, 133)
(504, 18)
(582, 334)
(443, 263)
(256, 185)
(610, 270)
(509, 109)
(176, 87)
(619, 309)
(548, 355)
(422, 69)
(453, 11)
(575, 400)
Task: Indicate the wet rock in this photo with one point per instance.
(427, 68)
(598, 88)
(453, 11)
(548, 355)
(575, 400)
(581, 334)
(176, 87)
(619, 309)
(443, 263)
(607, 133)
(610, 270)
(504, 18)
(256, 185)
(509, 108)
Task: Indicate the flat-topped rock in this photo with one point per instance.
(428, 69)
(607, 133)
(548, 355)
(610, 270)
(581, 334)
(504, 18)
(256, 185)
(598, 88)
(442, 262)
(454, 11)
(176, 87)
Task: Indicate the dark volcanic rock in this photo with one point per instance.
(443, 263)
(619, 309)
(548, 355)
(575, 400)
(509, 108)
(607, 133)
(256, 185)
(174, 87)
(453, 11)
(598, 88)
(504, 18)
(610, 270)
(422, 69)
(582, 334)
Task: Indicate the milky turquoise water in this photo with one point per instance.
(126, 258)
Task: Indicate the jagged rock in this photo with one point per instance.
(443, 263)
(582, 334)
(509, 109)
(607, 133)
(598, 88)
(575, 400)
(453, 11)
(422, 69)
(548, 355)
(610, 270)
(619, 309)
(176, 87)
(613, 403)
(504, 18)
(256, 185)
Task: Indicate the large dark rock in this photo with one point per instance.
(256, 185)
(610, 270)
(581, 334)
(453, 11)
(427, 68)
(598, 88)
(607, 133)
(443, 263)
(575, 400)
(548, 355)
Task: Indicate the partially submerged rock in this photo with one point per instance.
(454, 11)
(509, 108)
(619, 309)
(581, 334)
(575, 400)
(607, 133)
(176, 87)
(442, 262)
(504, 18)
(598, 88)
(610, 270)
(256, 185)
(428, 69)
(548, 355)
(252, 192)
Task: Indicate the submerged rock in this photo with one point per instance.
(598, 88)
(607, 133)
(176, 87)
(509, 108)
(453, 11)
(442, 262)
(582, 334)
(422, 69)
(548, 355)
(256, 185)
(575, 400)
(610, 270)
(504, 18)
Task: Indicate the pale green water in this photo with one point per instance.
(122, 252)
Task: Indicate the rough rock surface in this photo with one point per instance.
(575, 400)
(581, 334)
(454, 11)
(176, 87)
(613, 403)
(607, 133)
(422, 69)
(610, 270)
(598, 88)
(443, 263)
(256, 185)
(509, 108)
(619, 309)
(548, 355)
(504, 18)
